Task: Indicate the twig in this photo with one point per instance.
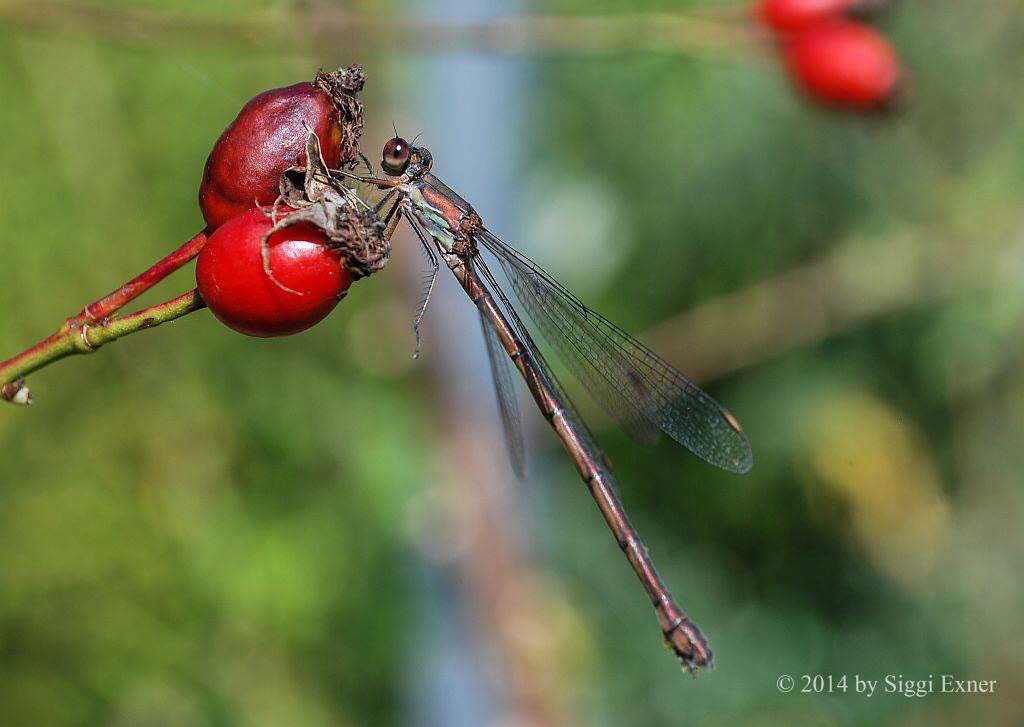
(86, 339)
(524, 34)
(138, 285)
(826, 297)
(80, 334)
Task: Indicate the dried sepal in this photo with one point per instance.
(342, 86)
(315, 196)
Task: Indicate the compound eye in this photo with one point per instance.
(395, 157)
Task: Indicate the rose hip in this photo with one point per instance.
(269, 136)
(787, 16)
(232, 281)
(844, 64)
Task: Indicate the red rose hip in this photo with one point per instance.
(237, 290)
(787, 16)
(269, 136)
(844, 64)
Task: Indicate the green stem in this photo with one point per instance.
(86, 338)
(113, 302)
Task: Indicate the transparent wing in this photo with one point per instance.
(543, 370)
(501, 373)
(625, 377)
(508, 405)
(546, 314)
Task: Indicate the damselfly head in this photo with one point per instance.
(422, 159)
(395, 157)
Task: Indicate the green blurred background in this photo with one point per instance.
(199, 528)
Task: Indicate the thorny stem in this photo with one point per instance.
(70, 340)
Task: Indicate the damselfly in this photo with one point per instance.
(643, 392)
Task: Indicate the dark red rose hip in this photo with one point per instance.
(269, 136)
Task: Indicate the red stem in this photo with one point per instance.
(87, 339)
(100, 309)
(92, 327)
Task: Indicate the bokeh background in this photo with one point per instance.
(198, 528)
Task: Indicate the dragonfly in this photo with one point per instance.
(643, 392)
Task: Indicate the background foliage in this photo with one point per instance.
(199, 528)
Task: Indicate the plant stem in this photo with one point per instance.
(720, 32)
(81, 334)
(135, 287)
(86, 338)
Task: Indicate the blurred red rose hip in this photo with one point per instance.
(237, 290)
(269, 136)
(844, 64)
(787, 16)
